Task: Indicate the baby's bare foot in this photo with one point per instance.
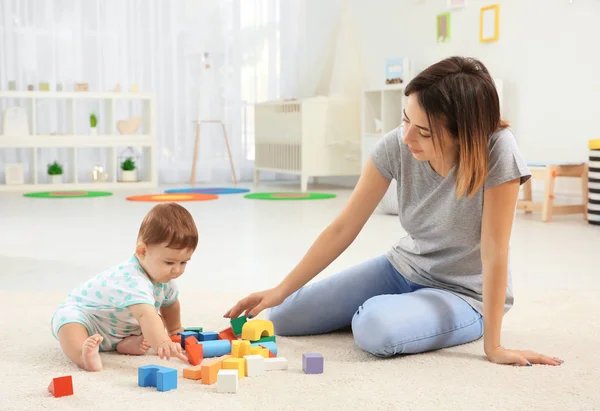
(133, 345)
(90, 355)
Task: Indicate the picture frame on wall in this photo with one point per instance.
(489, 23)
(14, 174)
(443, 27)
(457, 4)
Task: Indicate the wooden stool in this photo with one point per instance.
(549, 172)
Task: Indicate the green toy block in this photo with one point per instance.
(194, 329)
(237, 324)
(264, 339)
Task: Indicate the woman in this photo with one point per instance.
(458, 171)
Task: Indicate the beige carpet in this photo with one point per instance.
(454, 379)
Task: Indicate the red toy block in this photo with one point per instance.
(227, 334)
(176, 338)
(61, 386)
(194, 351)
(191, 339)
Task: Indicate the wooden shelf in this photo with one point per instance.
(76, 141)
(76, 95)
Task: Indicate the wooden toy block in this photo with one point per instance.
(176, 338)
(257, 329)
(163, 378)
(186, 334)
(61, 386)
(271, 346)
(215, 348)
(227, 381)
(227, 334)
(237, 324)
(278, 363)
(193, 373)
(236, 364)
(255, 365)
(239, 348)
(312, 363)
(197, 330)
(210, 369)
(208, 336)
(271, 355)
(264, 352)
(265, 339)
(194, 351)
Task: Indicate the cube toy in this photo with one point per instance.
(194, 351)
(264, 352)
(257, 329)
(278, 363)
(265, 339)
(210, 369)
(163, 378)
(238, 364)
(239, 348)
(312, 363)
(215, 348)
(237, 324)
(227, 381)
(61, 386)
(207, 336)
(227, 334)
(255, 365)
(193, 373)
(186, 334)
(176, 338)
(197, 330)
(271, 346)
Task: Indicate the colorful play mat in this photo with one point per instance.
(212, 190)
(289, 196)
(67, 194)
(173, 197)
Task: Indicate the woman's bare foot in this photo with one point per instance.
(90, 353)
(133, 345)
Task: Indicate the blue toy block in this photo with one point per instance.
(312, 363)
(186, 334)
(208, 336)
(163, 378)
(267, 344)
(215, 348)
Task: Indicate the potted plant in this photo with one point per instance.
(93, 124)
(128, 171)
(55, 172)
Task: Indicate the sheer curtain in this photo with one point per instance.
(204, 60)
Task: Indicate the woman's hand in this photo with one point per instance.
(256, 302)
(501, 355)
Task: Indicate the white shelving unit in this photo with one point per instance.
(74, 139)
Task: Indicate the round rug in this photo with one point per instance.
(213, 190)
(173, 197)
(67, 194)
(289, 196)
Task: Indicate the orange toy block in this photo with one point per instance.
(227, 334)
(194, 351)
(260, 351)
(61, 386)
(238, 364)
(176, 338)
(210, 369)
(239, 348)
(193, 373)
(271, 355)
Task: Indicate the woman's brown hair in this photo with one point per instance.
(459, 97)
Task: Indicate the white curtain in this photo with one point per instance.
(204, 60)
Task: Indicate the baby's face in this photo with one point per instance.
(162, 263)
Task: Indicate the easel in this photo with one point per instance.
(198, 123)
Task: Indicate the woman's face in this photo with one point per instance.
(417, 135)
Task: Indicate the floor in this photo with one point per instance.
(49, 246)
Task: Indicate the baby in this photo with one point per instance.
(128, 307)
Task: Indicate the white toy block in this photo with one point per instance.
(276, 363)
(227, 381)
(255, 365)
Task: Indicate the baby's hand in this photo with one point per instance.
(170, 349)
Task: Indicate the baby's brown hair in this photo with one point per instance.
(170, 224)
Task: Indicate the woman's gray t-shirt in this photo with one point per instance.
(442, 245)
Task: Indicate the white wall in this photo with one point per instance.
(547, 55)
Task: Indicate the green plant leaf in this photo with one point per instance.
(128, 164)
(55, 169)
(93, 120)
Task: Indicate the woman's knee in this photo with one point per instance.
(371, 333)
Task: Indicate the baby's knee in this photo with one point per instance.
(371, 333)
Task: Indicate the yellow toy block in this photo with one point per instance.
(238, 364)
(239, 348)
(256, 329)
(264, 352)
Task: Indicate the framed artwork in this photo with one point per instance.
(443, 27)
(489, 22)
(457, 4)
(14, 173)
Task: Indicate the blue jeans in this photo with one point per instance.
(389, 315)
